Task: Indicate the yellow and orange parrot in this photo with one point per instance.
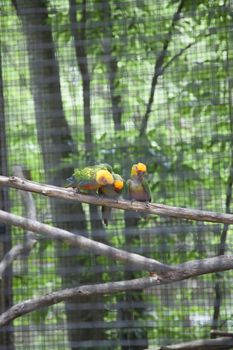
(91, 178)
(137, 187)
(111, 191)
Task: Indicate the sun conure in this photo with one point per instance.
(111, 191)
(91, 178)
(137, 187)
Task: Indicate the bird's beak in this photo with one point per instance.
(141, 173)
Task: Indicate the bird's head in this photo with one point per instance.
(104, 177)
(138, 169)
(118, 185)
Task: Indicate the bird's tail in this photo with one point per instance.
(70, 182)
(106, 214)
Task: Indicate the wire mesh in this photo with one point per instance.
(86, 82)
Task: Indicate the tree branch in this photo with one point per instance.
(192, 268)
(215, 333)
(158, 68)
(30, 239)
(82, 242)
(203, 344)
(152, 208)
(177, 55)
(164, 273)
(30, 305)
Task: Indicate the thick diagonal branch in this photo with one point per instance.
(30, 305)
(152, 208)
(192, 268)
(82, 242)
(165, 272)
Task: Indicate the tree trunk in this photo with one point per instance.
(129, 335)
(6, 293)
(134, 338)
(111, 62)
(219, 295)
(54, 138)
(78, 30)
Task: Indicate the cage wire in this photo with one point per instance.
(78, 79)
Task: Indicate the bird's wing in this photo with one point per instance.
(126, 193)
(147, 189)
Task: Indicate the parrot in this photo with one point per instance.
(137, 187)
(91, 178)
(111, 191)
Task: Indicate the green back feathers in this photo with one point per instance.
(86, 176)
(87, 173)
(90, 171)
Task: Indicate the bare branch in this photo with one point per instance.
(165, 272)
(85, 243)
(203, 344)
(185, 48)
(30, 305)
(152, 208)
(26, 197)
(30, 240)
(177, 55)
(158, 67)
(216, 333)
(13, 254)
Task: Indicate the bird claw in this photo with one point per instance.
(147, 204)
